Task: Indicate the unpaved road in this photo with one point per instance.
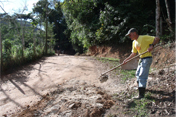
(78, 74)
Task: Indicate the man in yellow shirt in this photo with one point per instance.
(142, 43)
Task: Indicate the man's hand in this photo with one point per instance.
(126, 60)
(156, 40)
(150, 48)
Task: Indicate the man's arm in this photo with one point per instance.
(156, 40)
(131, 55)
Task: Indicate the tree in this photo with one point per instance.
(56, 17)
(23, 18)
(44, 8)
(1, 53)
(157, 17)
(51, 35)
(168, 20)
(107, 21)
(1, 63)
(82, 22)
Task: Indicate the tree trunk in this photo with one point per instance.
(22, 40)
(46, 36)
(168, 13)
(161, 26)
(168, 20)
(46, 21)
(34, 41)
(1, 55)
(157, 18)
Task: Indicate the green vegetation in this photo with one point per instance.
(105, 22)
(127, 74)
(106, 59)
(140, 106)
(18, 47)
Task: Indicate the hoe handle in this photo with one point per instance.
(126, 62)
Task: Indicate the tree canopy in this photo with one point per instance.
(102, 22)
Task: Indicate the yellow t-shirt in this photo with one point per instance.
(142, 44)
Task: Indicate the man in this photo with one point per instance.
(58, 50)
(142, 43)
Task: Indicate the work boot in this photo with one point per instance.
(141, 93)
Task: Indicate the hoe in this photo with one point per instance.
(103, 77)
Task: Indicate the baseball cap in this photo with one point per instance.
(131, 30)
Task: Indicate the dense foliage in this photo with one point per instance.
(105, 22)
(22, 42)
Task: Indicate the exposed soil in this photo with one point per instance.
(68, 86)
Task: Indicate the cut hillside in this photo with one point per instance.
(163, 54)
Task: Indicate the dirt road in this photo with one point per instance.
(25, 88)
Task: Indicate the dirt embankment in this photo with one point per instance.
(163, 54)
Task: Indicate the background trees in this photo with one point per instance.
(18, 41)
(105, 22)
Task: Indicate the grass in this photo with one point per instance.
(113, 62)
(140, 107)
(106, 59)
(14, 59)
(127, 74)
